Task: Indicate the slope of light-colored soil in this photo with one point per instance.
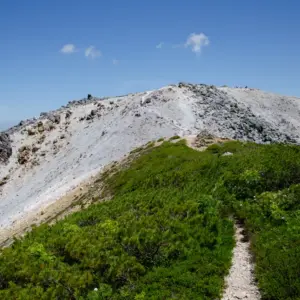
(97, 132)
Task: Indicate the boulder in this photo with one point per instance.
(227, 154)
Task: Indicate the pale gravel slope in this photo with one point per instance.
(132, 121)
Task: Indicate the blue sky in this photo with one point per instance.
(254, 43)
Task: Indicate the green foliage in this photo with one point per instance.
(160, 237)
(274, 220)
(161, 139)
(166, 233)
(175, 137)
(150, 145)
(136, 150)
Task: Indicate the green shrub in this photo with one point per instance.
(175, 137)
(160, 237)
(166, 233)
(136, 150)
(150, 145)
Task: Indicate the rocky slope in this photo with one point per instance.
(44, 158)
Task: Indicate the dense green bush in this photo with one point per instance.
(159, 238)
(175, 137)
(166, 233)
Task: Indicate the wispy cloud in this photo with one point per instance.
(160, 45)
(68, 49)
(92, 52)
(197, 41)
(115, 62)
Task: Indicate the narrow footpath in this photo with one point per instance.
(240, 282)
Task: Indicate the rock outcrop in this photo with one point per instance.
(5, 147)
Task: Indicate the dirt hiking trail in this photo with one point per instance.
(240, 282)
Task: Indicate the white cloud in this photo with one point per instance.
(115, 61)
(197, 42)
(92, 52)
(68, 49)
(159, 46)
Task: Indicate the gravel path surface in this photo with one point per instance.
(240, 283)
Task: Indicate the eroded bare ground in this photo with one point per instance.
(88, 192)
(44, 215)
(240, 282)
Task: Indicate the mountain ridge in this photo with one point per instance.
(52, 154)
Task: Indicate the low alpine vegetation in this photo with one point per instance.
(175, 137)
(167, 233)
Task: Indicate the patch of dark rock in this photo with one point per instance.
(43, 153)
(35, 149)
(68, 114)
(4, 180)
(5, 147)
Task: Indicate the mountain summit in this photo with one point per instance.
(48, 156)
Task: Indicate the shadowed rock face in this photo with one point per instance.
(5, 147)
